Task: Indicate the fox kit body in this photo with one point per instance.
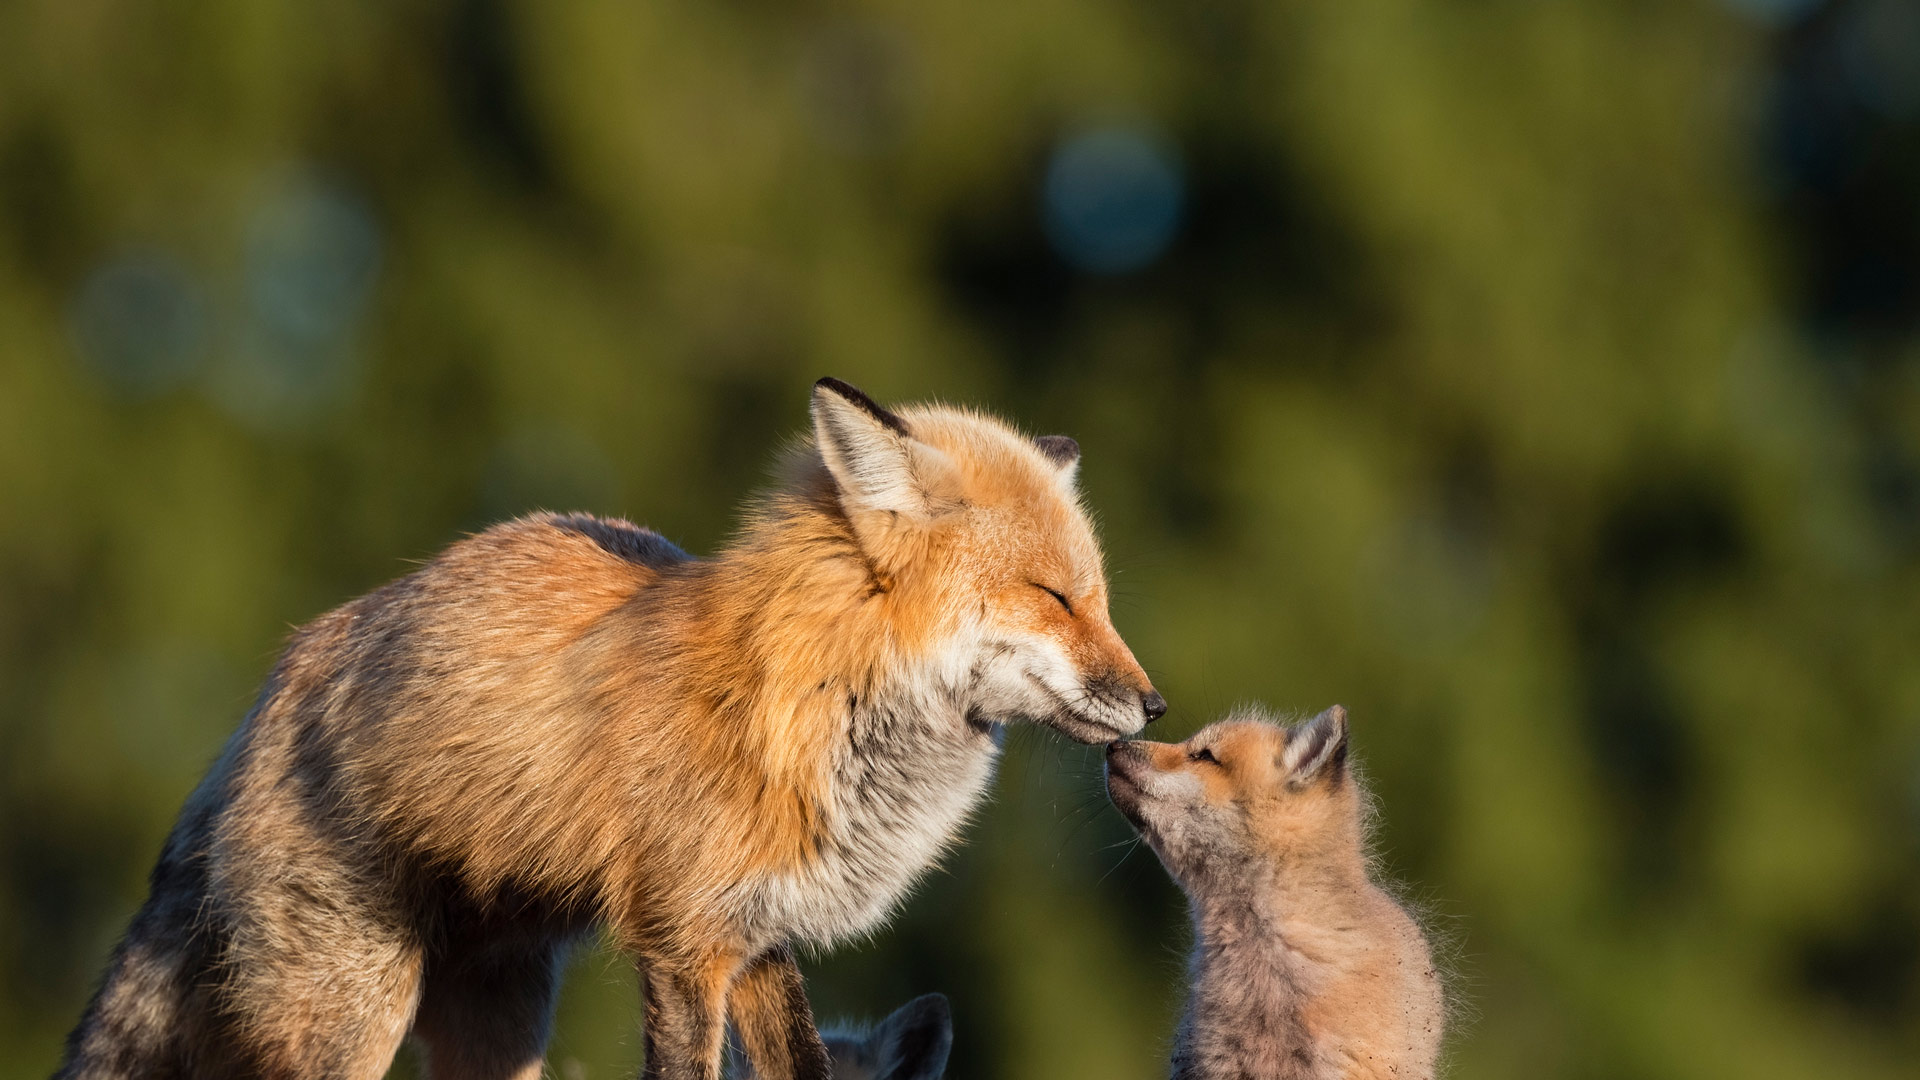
(566, 722)
(1303, 968)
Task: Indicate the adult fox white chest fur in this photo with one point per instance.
(566, 721)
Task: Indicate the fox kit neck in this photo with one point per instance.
(1288, 879)
(1275, 902)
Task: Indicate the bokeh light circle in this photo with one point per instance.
(1113, 199)
(140, 323)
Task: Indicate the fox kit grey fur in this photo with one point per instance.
(567, 722)
(1302, 968)
(912, 1043)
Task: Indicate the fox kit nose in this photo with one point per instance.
(1153, 705)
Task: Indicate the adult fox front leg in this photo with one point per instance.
(566, 722)
(686, 1021)
(770, 1012)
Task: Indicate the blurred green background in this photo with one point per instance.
(1540, 380)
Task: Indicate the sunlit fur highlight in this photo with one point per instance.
(1303, 968)
(566, 722)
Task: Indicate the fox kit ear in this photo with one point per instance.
(1063, 452)
(1316, 746)
(913, 1043)
(874, 459)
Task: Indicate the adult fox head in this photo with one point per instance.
(974, 534)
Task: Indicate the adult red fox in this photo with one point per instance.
(1303, 968)
(566, 722)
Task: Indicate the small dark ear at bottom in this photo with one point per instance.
(1317, 746)
(914, 1041)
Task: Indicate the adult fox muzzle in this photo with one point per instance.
(567, 722)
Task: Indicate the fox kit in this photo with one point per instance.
(566, 722)
(1302, 968)
(912, 1043)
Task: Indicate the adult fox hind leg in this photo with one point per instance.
(199, 997)
(768, 1005)
(486, 1014)
(318, 958)
(318, 986)
(247, 971)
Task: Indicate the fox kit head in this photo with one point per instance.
(976, 536)
(1239, 793)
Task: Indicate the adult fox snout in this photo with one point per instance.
(1153, 705)
(1133, 702)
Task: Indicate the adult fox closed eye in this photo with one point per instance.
(1303, 969)
(566, 721)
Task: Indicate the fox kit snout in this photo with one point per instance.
(567, 722)
(1302, 967)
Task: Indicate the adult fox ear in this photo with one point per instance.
(874, 459)
(913, 1042)
(1315, 747)
(1063, 452)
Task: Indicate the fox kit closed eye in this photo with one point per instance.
(566, 722)
(1302, 968)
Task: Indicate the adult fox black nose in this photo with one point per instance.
(1153, 705)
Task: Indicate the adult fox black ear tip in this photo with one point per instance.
(1059, 449)
(856, 397)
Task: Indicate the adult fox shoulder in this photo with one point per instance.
(566, 721)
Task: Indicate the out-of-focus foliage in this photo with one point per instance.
(1539, 380)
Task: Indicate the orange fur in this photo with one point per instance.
(565, 721)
